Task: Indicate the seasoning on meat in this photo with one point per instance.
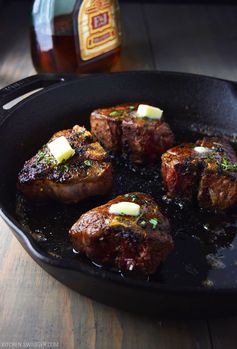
(87, 173)
(123, 241)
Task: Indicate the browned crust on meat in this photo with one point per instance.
(122, 241)
(87, 173)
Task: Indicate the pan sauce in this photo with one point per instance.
(205, 252)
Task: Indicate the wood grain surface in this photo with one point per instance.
(35, 309)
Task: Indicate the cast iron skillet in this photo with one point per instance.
(200, 276)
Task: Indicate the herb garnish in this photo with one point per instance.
(228, 166)
(131, 107)
(44, 156)
(116, 113)
(41, 155)
(87, 163)
(154, 222)
(143, 223)
(66, 167)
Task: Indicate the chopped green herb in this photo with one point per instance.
(224, 164)
(41, 155)
(143, 223)
(116, 113)
(131, 107)
(228, 166)
(45, 157)
(87, 163)
(154, 222)
(66, 167)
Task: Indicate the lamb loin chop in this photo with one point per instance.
(205, 171)
(218, 185)
(127, 242)
(121, 131)
(87, 173)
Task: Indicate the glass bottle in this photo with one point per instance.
(75, 36)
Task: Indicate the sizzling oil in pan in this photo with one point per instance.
(205, 253)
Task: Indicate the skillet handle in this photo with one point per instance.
(19, 88)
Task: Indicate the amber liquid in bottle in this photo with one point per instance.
(60, 51)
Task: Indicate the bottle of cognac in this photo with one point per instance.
(75, 36)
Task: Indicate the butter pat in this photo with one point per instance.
(202, 150)
(125, 208)
(149, 112)
(60, 148)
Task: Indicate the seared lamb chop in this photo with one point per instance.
(123, 241)
(218, 185)
(121, 131)
(87, 173)
(205, 170)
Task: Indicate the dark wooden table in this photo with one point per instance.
(35, 308)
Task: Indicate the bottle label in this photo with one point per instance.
(98, 28)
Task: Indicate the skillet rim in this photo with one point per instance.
(30, 245)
